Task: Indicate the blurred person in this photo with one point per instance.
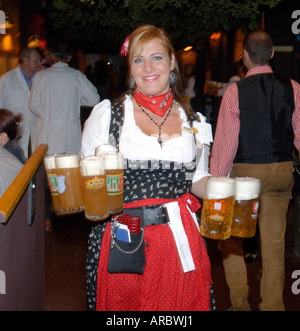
(258, 123)
(14, 91)
(240, 74)
(55, 99)
(10, 133)
(151, 123)
(189, 84)
(10, 166)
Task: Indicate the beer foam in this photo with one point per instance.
(104, 148)
(67, 161)
(49, 162)
(113, 160)
(92, 166)
(247, 188)
(220, 188)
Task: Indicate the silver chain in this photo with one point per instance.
(158, 125)
(134, 250)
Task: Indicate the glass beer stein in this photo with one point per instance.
(114, 166)
(217, 209)
(68, 183)
(246, 207)
(93, 181)
(104, 149)
(49, 162)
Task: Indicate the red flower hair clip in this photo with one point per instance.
(124, 49)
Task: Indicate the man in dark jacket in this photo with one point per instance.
(258, 124)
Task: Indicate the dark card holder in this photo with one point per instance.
(127, 257)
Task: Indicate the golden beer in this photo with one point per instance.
(69, 183)
(49, 162)
(246, 207)
(115, 181)
(93, 181)
(217, 212)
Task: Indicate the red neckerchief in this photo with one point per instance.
(157, 104)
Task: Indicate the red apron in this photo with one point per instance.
(163, 286)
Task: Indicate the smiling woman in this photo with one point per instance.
(151, 72)
(151, 69)
(153, 128)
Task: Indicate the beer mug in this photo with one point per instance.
(104, 149)
(217, 209)
(246, 207)
(68, 183)
(49, 162)
(93, 181)
(114, 166)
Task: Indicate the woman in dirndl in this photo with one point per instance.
(166, 148)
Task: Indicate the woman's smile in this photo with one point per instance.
(151, 69)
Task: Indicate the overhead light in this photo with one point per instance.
(215, 36)
(188, 48)
(35, 42)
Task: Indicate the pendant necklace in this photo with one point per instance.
(158, 125)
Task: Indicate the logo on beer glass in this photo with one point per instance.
(61, 186)
(255, 207)
(53, 184)
(95, 183)
(115, 183)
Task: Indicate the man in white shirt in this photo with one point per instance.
(55, 98)
(14, 91)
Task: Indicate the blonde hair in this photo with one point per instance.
(143, 35)
(139, 39)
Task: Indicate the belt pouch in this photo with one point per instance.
(127, 257)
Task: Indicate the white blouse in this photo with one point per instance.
(136, 145)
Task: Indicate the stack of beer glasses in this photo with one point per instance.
(246, 207)
(95, 184)
(217, 212)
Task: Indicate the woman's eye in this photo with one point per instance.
(138, 60)
(157, 58)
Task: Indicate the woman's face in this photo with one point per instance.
(151, 70)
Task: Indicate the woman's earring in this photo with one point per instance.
(172, 78)
(131, 84)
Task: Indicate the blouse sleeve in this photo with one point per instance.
(96, 128)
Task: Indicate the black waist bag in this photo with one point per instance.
(127, 257)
